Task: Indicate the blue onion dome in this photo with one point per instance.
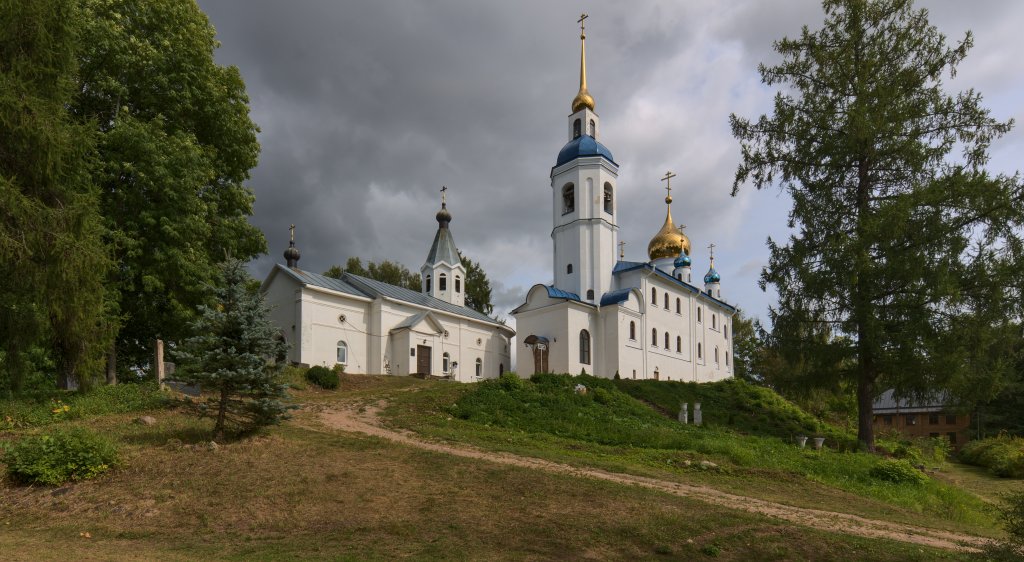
(712, 276)
(582, 146)
(683, 261)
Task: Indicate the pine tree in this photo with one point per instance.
(905, 258)
(237, 354)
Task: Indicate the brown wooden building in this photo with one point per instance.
(921, 418)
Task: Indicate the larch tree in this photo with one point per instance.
(906, 252)
(176, 145)
(54, 258)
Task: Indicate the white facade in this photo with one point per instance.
(375, 328)
(606, 316)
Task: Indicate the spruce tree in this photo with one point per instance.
(906, 254)
(237, 355)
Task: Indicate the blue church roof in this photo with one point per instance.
(584, 145)
(557, 293)
(615, 297)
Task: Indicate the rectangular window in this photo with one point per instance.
(933, 434)
(951, 419)
(911, 419)
(933, 419)
(952, 437)
(887, 419)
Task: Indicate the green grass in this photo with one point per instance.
(296, 492)
(737, 405)
(55, 407)
(609, 429)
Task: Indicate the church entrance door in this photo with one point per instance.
(422, 360)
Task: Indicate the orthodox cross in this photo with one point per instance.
(622, 249)
(291, 232)
(681, 228)
(580, 21)
(712, 248)
(668, 183)
(443, 189)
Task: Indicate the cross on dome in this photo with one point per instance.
(668, 186)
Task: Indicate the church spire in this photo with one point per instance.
(669, 242)
(583, 98)
(292, 253)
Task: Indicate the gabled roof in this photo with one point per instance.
(624, 266)
(443, 249)
(372, 289)
(414, 320)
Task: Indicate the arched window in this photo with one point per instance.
(689, 278)
(590, 294)
(593, 128)
(458, 284)
(725, 330)
(342, 353)
(654, 296)
(446, 362)
(666, 340)
(679, 344)
(726, 358)
(700, 352)
(501, 368)
(679, 306)
(479, 367)
(632, 330)
(698, 313)
(608, 199)
(584, 347)
(428, 283)
(442, 282)
(666, 301)
(654, 337)
(714, 321)
(716, 355)
(568, 199)
(679, 276)
(568, 269)
(577, 128)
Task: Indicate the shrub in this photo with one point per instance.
(1002, 455)
(294, 377)
(898, 471)
(55, 458)
(48, 408)
(511, 382)
(1011, 549)
(323, 377)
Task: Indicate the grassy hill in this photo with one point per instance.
(304, 492)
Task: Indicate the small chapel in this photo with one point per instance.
(368, 326)
(607, 316)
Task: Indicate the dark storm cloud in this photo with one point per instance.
(367, 108)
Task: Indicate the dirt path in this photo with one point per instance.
(361, 419)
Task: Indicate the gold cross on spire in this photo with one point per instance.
(444, 188)
(291, 233)
(582, 29)
(668, 186)
(622, 249)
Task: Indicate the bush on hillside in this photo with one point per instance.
(323, 377)
(1011, 549)
(1002, 455)
(44, 409)
(897, 471)
(55, 458)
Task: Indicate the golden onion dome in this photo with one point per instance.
(669, 242)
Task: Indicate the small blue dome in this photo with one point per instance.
(584, 145)
(712, 276)
(683, 261)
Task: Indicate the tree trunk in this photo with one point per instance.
(865, 411)
(112, 364)
(222, 410)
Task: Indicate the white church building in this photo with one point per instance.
(372, 327)
(605, 315)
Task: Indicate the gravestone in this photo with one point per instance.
(684, 413)
(697, 415)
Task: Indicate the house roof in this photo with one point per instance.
(371, 288)
(616, 296)
(888, 403)
(443, 249)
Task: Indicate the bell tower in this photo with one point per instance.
(584, 204)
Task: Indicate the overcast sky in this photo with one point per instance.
(368, 108)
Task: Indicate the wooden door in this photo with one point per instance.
(422, 360)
